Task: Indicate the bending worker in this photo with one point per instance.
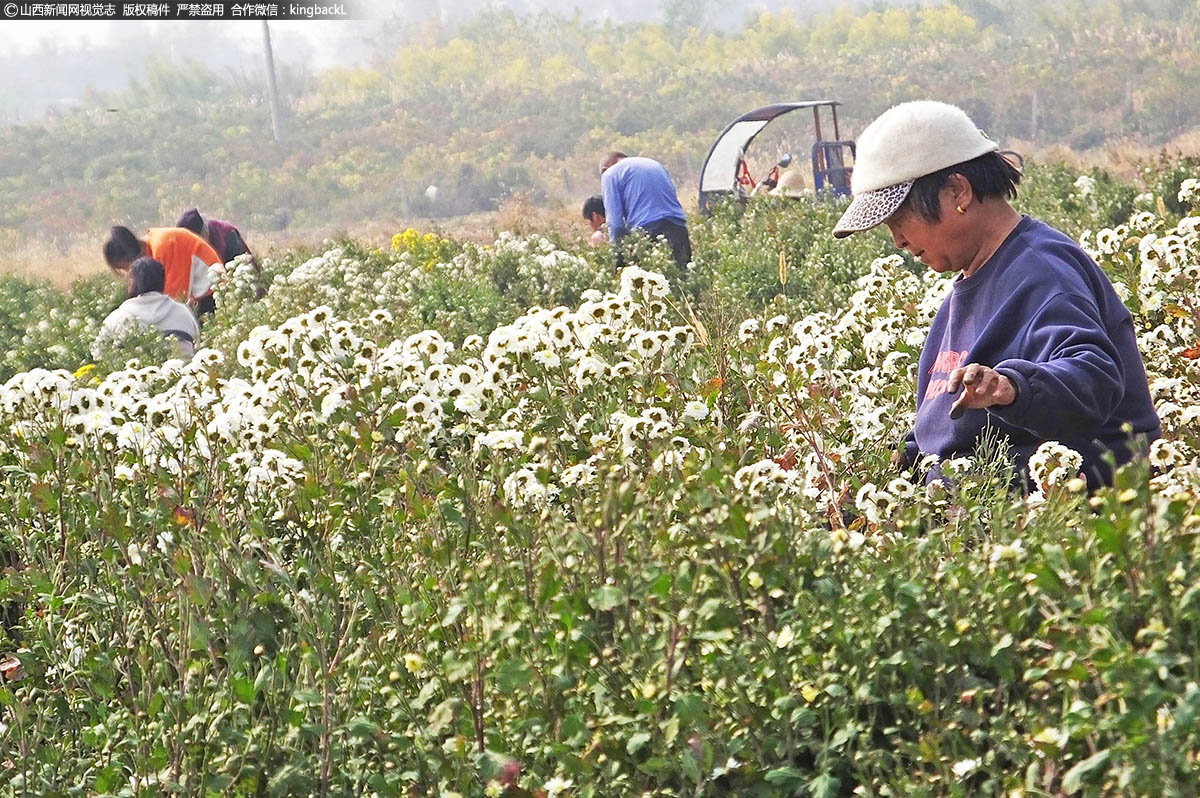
(148, 305)
(184, 255)
(638, 193)
(593, 214)
(221, 235)
(1032, 340)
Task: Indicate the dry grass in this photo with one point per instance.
(58, 262)
(62, 260)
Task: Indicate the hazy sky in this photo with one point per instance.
(69, 58)
(29, 36)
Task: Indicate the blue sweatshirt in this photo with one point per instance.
(637, 193)
(1043, 314)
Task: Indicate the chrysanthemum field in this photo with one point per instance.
(448, 519)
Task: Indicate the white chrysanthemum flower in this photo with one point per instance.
(1108, 242)
(1165, 454)
(468, 403)
(557, 786)
(624, 368)
(1014, 551)
(546, 358)
(1054, 464)
(650, 285)
(420, 406)
(1189, 191)
(776, 323)
(332, 402)
(501, 439)
(522, 488)
(580, 474)
(747, 330)
(750, 422)
(646, 345)
(587, 370)
(695, 410)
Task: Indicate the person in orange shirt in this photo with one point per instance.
(185, 256)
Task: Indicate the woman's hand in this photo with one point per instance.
(982, 387)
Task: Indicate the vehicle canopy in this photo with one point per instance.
(720, 173)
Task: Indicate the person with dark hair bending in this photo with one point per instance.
(593, 213)
(148, 305)
(1031, 341)
(221, 235)
(638, 194)
(184, 255)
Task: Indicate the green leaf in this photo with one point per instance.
(637, 742)
(512, 674)
(691, 768)
(452, 612)
(1073, 780)
(689, 708)
(785, 777)
(607, 598)
(824, 786)
(709, 608)
(453, 515)
(1111, 540)
(361, 727)
(661, 586)
(456, 669)
(442, 715)
(244, 689)
(307, 697)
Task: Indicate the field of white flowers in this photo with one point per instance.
(462, 520)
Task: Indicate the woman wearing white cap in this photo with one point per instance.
(1031, 340)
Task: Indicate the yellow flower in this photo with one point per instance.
(83, 370)
(414, 663)
(406, 240)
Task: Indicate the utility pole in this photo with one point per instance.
(272, 87)
(1033, 117)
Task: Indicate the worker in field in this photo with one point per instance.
(1031, 341)
(186, 259)
(791, 184)
(593, 214)
(221, 235)
(638, 194)
(148, 305)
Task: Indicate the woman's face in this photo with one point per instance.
(944, 245)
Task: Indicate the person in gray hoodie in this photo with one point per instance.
(148, 305)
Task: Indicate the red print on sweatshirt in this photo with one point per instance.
(947, 361)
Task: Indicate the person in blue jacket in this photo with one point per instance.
(638, 193)
(1031, 340)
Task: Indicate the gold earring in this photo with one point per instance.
(959, 208)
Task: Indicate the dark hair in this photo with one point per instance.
(146, 275)
(121, 248)
(191, 220)
(611, 158)
(990, 175)
(591, 205)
